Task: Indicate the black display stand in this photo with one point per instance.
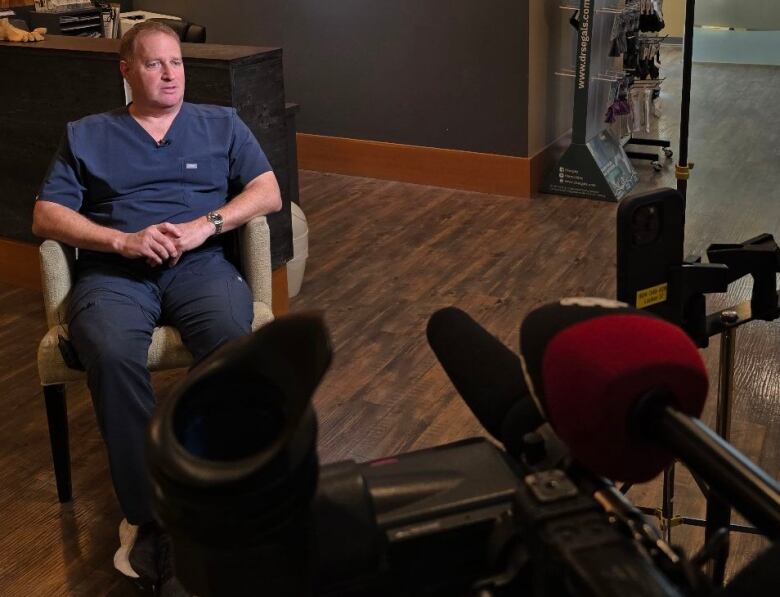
(595, 165)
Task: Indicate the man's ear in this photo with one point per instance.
(123, 68)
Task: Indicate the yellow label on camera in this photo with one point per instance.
(651, 296)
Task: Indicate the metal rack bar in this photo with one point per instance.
(648, 142)
(642, 155)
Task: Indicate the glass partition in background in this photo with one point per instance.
(745, 32)
(755, 15)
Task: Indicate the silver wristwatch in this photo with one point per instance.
(216, 219)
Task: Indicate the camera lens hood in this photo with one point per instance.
(234, 446)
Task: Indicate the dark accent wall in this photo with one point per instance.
(438, 73)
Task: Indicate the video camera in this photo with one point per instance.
(237, 482)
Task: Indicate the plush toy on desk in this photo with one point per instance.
(11, 33)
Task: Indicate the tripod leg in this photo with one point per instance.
(728, 341)
(718, 517)
(667, 503)
(718, 509)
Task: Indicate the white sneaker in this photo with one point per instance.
(136, 557)
(127, 536)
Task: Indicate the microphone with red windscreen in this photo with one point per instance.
(622, 388)
(588, 362)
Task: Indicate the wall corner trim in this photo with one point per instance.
(546, 159)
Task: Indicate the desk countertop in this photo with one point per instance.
(66, 43)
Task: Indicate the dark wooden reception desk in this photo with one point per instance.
(49, 83)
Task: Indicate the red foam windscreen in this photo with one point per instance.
(595, 371)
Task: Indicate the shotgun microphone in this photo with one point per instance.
(487, 375)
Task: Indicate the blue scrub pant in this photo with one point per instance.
(113, 312)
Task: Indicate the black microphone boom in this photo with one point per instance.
(726, 470)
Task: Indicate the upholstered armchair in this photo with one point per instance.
(165, 352)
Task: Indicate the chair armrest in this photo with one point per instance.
(57, 275)
(255, 253)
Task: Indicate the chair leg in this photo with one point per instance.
(57, 414)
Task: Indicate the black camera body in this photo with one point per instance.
(237, 484)
(463, 518)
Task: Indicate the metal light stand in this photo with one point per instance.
(718, 514)
(683, 168)
(718, 510)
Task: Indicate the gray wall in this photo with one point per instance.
(438, 73)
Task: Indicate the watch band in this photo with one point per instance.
(216, 219)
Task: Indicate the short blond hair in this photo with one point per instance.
(127, 45)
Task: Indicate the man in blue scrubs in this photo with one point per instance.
(143, 192)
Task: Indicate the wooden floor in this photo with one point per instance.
(382, 257)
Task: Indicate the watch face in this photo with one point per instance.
(217, 220)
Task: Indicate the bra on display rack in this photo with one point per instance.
(635, 39)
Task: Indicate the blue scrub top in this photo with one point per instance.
(112, 171)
